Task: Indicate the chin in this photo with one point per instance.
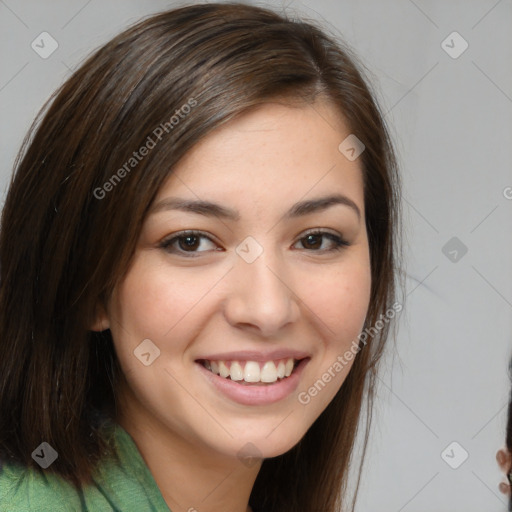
(267, 443)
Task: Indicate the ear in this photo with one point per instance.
(101, 321)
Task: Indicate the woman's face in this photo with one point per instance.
(252, 290)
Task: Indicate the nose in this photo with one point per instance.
(262, 295)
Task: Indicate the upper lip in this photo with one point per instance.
(253, 355)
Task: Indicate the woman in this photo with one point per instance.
(197, 257)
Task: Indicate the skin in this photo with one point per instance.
(295, 295)
(504, 459)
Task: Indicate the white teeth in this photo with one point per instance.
(223, 369)
(236, 371)
(288, 368)
(251, 371)
(280, 370)
(269, 372)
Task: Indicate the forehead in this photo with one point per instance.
(270, 153)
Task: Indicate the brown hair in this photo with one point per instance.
(63, 248)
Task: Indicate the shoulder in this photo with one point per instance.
(24, 489)
(123, 483)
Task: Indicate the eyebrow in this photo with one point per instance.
(210, 209)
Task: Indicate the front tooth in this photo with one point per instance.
(280, 370)
(236, 371)
(288, 367)
(268, 372)
(252, 372)
(214, 367)
(223, 369)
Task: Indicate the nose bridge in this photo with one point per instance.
(262, 293)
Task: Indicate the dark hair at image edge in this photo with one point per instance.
(508, 432)
(63, 250)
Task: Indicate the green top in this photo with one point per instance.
(124, 486)
(121, 487)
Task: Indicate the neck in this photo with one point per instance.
(183, 470)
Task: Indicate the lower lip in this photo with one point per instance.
(256, 395)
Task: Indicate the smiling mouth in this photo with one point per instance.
(252, 372)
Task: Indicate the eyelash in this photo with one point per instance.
(339, 243)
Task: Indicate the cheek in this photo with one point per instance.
(340, 300)
(155, 302)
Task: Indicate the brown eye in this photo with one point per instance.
(314, 240)
(186, 243)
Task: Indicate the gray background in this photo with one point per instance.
(451, 119)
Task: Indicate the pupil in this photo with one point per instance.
(188, 243)
(310, 238)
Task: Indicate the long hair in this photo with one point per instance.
(72, 219)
